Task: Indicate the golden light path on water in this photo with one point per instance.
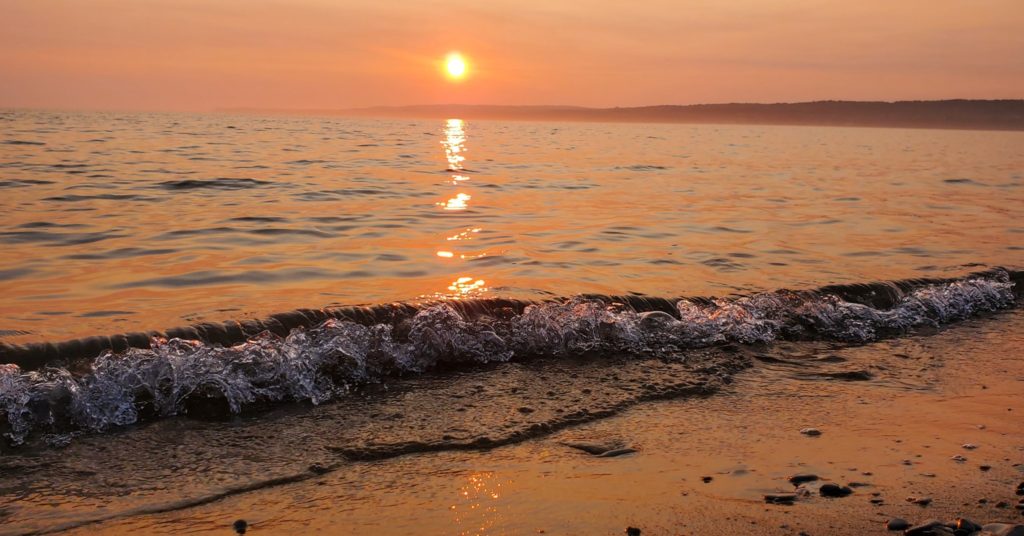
(454, 143)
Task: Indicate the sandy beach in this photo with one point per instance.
(892, 438)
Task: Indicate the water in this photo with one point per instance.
(544, 276)
(116, 223)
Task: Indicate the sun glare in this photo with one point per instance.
(455, 66)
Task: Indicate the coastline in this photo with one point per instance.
(902, 429)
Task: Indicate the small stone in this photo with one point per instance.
(318, 469)
(525, 409)
(928, 528)
(857, 484)
(969, 446)
(967, 526)
(907, 462)
(877, 500)
(958, 458)
(632, 531)
(240, 526)
(834, 490)
(929, 475)
(1020, 488)
(985, 467)
(1003, 529)
(810, 432)
(897, 523)
(780, 498)
(796, 480)
(920, 501)
(706, 479)
(866, 473)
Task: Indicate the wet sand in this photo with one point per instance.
(896, 434)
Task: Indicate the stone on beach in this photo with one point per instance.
(897, 523)
(780, 498)
(796, 480)
(834, 490)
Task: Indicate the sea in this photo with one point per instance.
(195, 306)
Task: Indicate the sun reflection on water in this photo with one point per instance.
(477, 510)
(465, 287)
(459, 202)
(464, 235)
(454, 143)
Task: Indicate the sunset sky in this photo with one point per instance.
(321, 54)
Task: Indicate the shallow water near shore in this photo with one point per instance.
(407, 452)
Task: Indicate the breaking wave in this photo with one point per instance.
(210, 374)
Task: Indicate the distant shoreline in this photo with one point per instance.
(941, 114)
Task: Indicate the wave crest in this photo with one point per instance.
(178, 376)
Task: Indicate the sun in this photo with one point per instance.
(455, 66)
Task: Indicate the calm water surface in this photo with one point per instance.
(121, 222)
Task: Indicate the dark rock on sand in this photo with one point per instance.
(780, 498)
(932, 527)
(632, 531)
(810, 432)
(966, 526)
(920, 501)
(706, 479)
(240, 526)
(897, 523)
(1002, 529)
(796, 480)
(1020, 488)
(834, 490)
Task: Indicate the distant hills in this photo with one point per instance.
(954, 114)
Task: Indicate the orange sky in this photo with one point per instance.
(201, 55)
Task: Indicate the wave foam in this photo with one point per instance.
(177, 376)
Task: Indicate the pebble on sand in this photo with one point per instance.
(810, 432)
(834, 490)
(632, 531)
(1003, 529)
(897, 523)
(240, 526)
(796, 480)
(780, 498)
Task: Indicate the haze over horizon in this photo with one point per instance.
(196, 55)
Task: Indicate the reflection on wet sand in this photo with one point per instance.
(454, 143)
(477, 511)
